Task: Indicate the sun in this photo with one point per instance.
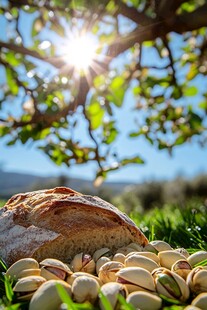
(81, 51)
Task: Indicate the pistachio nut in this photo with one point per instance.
(171, 285)
(182, 268)
(197, 257)
(119, 257)
(20, 265)
(169, 257)
(110, 291)
(26, 287)
(191, 307)
(150, 255)
(200, 301)
(157, 246)
(106, 252)
(107, 272)
(137, 247)
(144, 300)
(29, 272)
(54, 269)
(197, 280)
(100, 262)
(137, 260)
(85, 288)
(83, 262)
(136, 279)
(183, 252)
(47, 296)
(125, 250)
(70, 279)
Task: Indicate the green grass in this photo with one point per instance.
(184, 226)
(2, 203)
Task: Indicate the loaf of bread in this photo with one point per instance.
(60, 223)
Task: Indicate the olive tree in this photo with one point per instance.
(51, 86)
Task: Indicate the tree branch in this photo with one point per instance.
(133, 14)
(167, 8)
(179, 23)
(20, 3)
(55, 61)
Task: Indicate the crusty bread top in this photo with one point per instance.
(30, 220)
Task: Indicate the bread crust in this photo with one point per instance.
(33, 223)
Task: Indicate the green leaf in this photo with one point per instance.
(193, 71)
(4, 130)
(99, 81)
(133, 160)
(11, 81)
(203, 105)
(180, 140)
(148, 44)
(137, 90)
(116, 91)
(12, 59)
(191, 91)
(95, 113)
(110, 132)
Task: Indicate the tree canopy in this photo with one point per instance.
(154, 50)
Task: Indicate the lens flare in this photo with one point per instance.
(80, 52)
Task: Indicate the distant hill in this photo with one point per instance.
(12, 183)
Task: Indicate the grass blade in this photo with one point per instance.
(106, 304)
(8, 289)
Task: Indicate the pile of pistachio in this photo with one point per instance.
(144, 276)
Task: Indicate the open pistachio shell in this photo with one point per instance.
(47, 296)
(135, 246)
(144, 300)
(106, 252)
(136, 279)
(107, 272)
(169, 257)
(25, 287)
(150, 255)
(54, 269)
(197, 280)
(55, 275)
(160, 245)
(191, 307)
(29, 272)
(125, 250)
(111, 291)
(182, 268)
(119, 257)
(52, 262)
(137, 260)
(171, 285)
(20, 265)
(85, 288)
(83, 262)
(197, 257)
(200, 301)
(183, 252)
(70, 279)
(100, 262)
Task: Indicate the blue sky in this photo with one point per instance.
(187, 161)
